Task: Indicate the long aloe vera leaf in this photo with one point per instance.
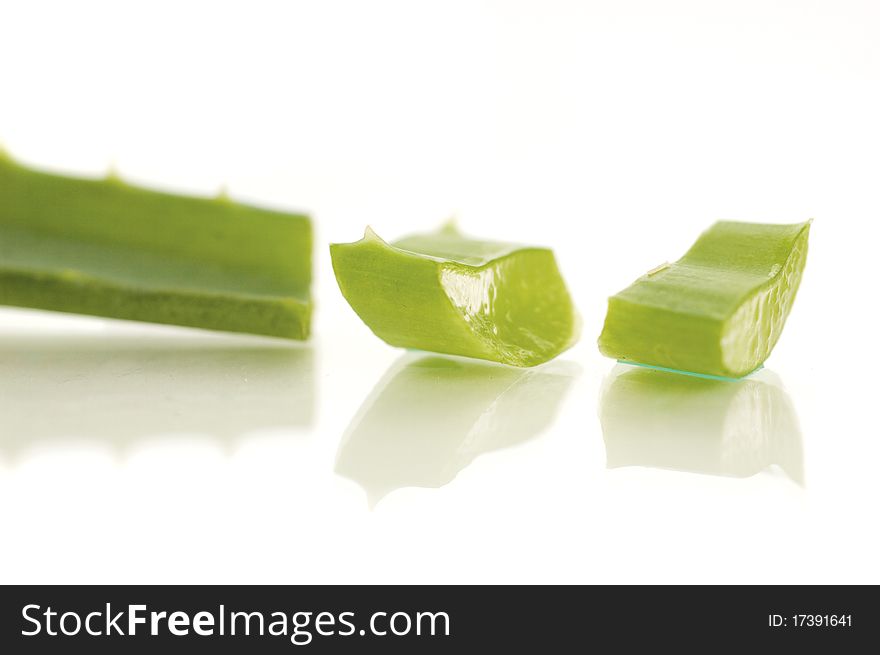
(446, 293)
(106, 248)
(719, 310)
(663, 420)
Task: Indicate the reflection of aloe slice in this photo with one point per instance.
(106, 248)
(719, 310)
(446, 293)
(664, 420)
(430, 416)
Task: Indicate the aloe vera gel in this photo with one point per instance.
(719, 310)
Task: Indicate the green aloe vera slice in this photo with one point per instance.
(106, 248)
(447, 293)
(719, 310)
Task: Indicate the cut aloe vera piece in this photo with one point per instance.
(719, 310)
(106, 248)
(663, 420)
(447, 293)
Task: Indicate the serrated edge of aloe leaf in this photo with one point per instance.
(370, 236)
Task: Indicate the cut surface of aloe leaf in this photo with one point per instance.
(719, 310)
(106, 248)
(447, 293)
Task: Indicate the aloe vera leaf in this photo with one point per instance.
(664, 420)
(429, 417)
(719, 310)
(106, 248)
(447, 293)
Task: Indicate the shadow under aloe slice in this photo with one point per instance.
(106, 248)
(719, 310)
(446, 293)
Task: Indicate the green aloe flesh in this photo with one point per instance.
(106, 248)
(719, 310)
(446, 293)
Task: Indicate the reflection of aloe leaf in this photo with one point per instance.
(664, 420)
(118, 390)
(429, 417)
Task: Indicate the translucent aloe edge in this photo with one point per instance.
(107, 248)
(702, 376)
(717, 311)
(446, 293)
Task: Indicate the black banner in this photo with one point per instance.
(342, 619)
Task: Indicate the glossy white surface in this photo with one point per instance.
(613, 132)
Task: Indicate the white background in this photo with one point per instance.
(612, 131)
